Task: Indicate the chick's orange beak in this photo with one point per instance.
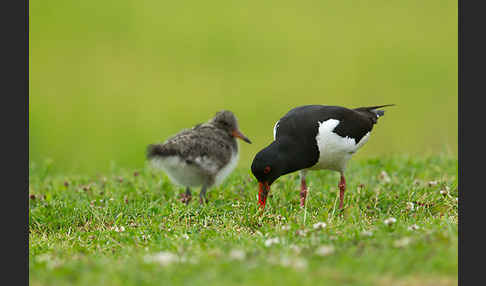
(237, 134)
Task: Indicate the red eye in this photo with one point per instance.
(267, 170)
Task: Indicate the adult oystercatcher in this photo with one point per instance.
(201, 156)
(313, 137)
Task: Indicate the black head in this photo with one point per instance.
(267, 166)
(227, 121)
(279, 158)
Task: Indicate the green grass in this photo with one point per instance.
(73, 221)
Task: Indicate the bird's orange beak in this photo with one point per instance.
(237, 134)
(263, 193)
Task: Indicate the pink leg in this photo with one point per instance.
(342, 188)
(303, 190)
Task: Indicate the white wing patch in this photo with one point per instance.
(334, 150)
(275, 130)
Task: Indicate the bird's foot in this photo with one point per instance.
(303, 192)
(303, 195)
(185, 198)
(342, 189)
(340, 208)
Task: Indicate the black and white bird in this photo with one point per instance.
(313, 137)
(202, 156)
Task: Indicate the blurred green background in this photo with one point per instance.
(109, 77)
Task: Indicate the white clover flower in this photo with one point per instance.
(384, 177)
(237, 254)
(295, 248)
(51, 262)
(301, 232)
(185, 236)
(146, 236)
(319, 225)
(285, 261)
(118, 229)
(402, 242)
(271, 241)
(43, 257)
(285, 227)
(325, 250)
(191, 260)
(367, 233)
(413, 227)
(410, 206)
(215, 252)
(164, 258)
(273, 260)
(390, 221)
(432, 183)
(299, 263)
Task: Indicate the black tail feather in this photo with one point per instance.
(159, 150)
(373, 110)
(153, 150)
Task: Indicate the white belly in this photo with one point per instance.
(334, 150)
(226, 170)
(181, 173)
(205, 172)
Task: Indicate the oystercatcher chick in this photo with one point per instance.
(313, 137)
(202, 156)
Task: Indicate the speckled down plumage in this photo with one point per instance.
(202, 155)
(202, 141)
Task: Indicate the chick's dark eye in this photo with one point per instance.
(267, 170)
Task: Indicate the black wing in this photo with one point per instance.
(301, 123)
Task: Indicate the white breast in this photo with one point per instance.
(334, 150)
(226, 170)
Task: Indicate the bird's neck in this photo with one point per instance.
(294, 157)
